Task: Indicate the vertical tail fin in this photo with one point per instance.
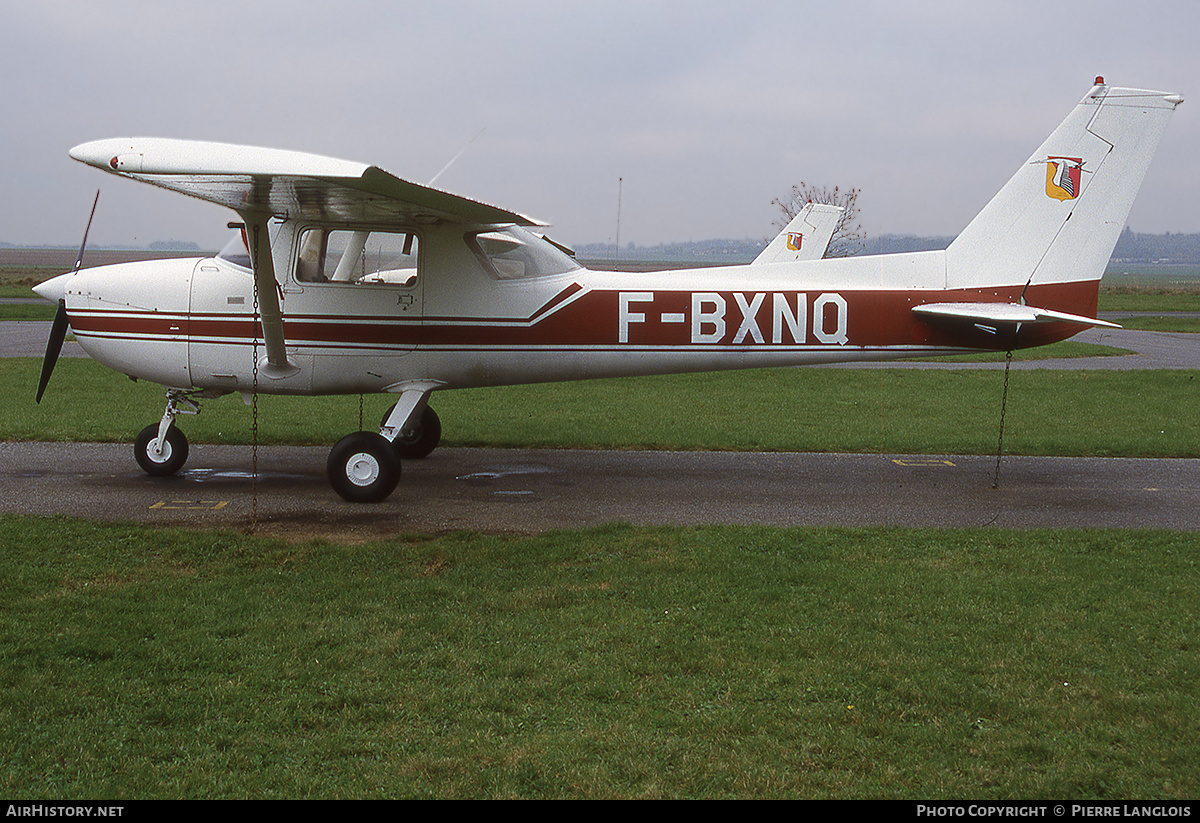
(1058, 218)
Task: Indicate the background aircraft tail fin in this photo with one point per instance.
(1058, 218)
(806, 237)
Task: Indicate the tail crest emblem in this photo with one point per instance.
(1063, 176)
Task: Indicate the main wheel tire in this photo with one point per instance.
(160, 464)
(363, 467)
(419, 443)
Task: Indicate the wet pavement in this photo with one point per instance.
(524, 491)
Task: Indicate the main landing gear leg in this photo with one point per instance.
(161, 449)
(413, 428)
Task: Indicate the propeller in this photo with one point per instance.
(58, 333)
(58, 329)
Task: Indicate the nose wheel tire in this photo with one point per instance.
(165, 461)
(363, 467)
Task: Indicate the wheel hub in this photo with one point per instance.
(362, 469)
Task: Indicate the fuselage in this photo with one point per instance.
(466, 314)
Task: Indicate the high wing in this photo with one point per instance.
(285, 183)
(806, 237)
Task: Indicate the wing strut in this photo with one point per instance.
(270, 313)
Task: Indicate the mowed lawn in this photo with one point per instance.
(1093, 413)
(618, 662)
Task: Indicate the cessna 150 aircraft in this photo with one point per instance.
(344, 279)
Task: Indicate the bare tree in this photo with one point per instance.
(848, 236)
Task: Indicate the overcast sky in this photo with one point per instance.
(705, 110)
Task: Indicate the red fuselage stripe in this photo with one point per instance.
(610, 319)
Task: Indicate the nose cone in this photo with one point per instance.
(54, 288)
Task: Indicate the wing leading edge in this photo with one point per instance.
(249, 179)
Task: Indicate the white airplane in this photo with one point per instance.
(344, 279)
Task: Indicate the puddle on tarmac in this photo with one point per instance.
(206, 475)
(486, 478)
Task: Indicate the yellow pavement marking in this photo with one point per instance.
(191, 505)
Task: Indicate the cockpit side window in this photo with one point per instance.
(310, 262)
(357, 256)
(515, 254)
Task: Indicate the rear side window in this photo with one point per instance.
(515, 254)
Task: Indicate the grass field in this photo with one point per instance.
(1085, 413)
(612, 663)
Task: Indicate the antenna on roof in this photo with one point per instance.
(617, 242)
(454, 159)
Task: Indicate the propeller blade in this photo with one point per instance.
(58, 333)
(83, 245)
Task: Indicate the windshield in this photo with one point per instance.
(515, 254)
(235, 250)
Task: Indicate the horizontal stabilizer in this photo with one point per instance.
(1004, 313)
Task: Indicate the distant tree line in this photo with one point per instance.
(1131, 247)
(1157, 248)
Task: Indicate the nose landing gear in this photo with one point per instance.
(160, 448)
(160, 456)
